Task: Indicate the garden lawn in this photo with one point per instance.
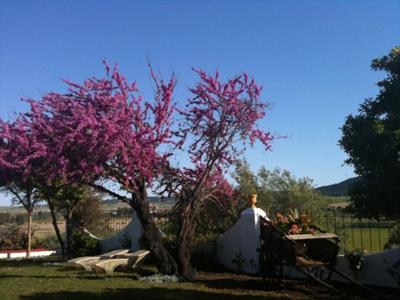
(371, 239)
(40, 281)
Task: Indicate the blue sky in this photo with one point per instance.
(312, 57)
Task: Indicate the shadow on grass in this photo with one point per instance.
(77, 276)
(24, 263)
(257, 284)
(143, 294)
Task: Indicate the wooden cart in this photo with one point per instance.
(313, 255)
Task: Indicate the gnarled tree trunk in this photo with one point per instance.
(185, 235)
(184, 255)
(164, 261)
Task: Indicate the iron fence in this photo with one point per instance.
(357, 233)
(369, 234)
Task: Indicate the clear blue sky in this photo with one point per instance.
(312, 57)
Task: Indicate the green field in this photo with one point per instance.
(368, 234)
(337, 199)
(20, 209)
(373, 240)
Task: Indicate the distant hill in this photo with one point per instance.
(338, 189)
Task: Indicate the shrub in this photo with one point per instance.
(394, 240)
(84, 245)
(12, 237)
(6, 217)
(355, 259)
(48, 242)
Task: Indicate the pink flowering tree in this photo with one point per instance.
(25, 174)
(23, 165)
(102, 134)
(219, 120)
(20, 152)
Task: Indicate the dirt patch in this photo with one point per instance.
(294, 289)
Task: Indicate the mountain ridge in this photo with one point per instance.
(338, 189)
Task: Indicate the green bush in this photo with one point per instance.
(394, 240)
(12, 237)
(48, 242)
(84, 245)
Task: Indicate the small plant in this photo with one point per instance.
(355, 258)
(83, 244)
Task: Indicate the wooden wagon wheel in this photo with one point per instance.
(323, 273)
(271, 267)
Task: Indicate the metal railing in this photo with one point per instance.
(357, 233)
(369, 234)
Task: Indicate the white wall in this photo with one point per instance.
(375, 270)
(133, 231)
(22, 254)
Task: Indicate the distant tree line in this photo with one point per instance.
(278, 190)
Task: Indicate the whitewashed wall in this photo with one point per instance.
(133, 232)
(378, 269)
(242, 240)
(240, 243)
(18, 254)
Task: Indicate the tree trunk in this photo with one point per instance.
(184, 255)
(67, 238)
(184, 239)
(29, 237)
(68, 233)
(164, 262)
(56, 229)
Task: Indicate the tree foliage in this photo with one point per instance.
(19, 155)
(218, 121)
(100, 131)
(12, 237)
(371, 139)
(103, 132)
(278, 190)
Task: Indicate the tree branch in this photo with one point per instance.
(111, 193)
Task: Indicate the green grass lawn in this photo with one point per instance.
(40, 281)
(371, 239)
(368, 234)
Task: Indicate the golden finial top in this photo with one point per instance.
(252, 200)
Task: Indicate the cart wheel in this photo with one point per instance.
(271, 268)
(321, 272)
